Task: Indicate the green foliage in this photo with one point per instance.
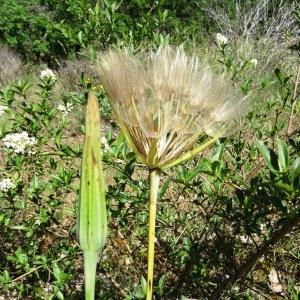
(47, 29)
(286, 175)
(214, 211)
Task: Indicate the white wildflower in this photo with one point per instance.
(253, 62)
(263, 227)
(65, 109)
(104, 144)
(47, 73)
(221, 39)
(6, 184)
(3, 109)
(19, 142)
(275, 282)
(245, 239)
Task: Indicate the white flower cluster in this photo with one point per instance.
(221, 39)
(104, 144)
(47, 73)
(19, 142)
(253, 62)
(65, 109)
(6, 184)
(3, 109)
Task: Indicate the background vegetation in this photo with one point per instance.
(228, 221)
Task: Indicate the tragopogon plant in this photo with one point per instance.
(91, 223)
(163, 103)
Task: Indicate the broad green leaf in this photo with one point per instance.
(144, 285)
(283, 156)
(295, 170)
(269, 157)
(219, 153)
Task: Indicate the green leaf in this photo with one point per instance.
(144, 285)
(284, 186)
(59, 295)
(164, 188)
(80, 37)
(283, 79)
(161, 282)
(295, 170)
(219, 153)
(283, 156)
(5, 277)
(269, 157)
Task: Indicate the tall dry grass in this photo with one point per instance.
(11, 66)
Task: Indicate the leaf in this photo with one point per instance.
(283, 79)
(284, 186)
(219, 153)
(80, 37)
(161, 282)
(164, 188)
(295, 170)
(144, 285)
(97, 9)
(283, 156)
(59, 295)
(269, 157)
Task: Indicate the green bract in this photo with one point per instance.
(92, 223)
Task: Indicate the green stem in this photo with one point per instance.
(154, 186)
(90, 264)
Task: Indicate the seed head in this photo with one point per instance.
(166, 100)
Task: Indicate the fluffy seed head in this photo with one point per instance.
(164, 101)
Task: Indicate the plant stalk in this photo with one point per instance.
(90, 264)
(294, 100)
(154, 187)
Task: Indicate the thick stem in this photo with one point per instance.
(90, 264)
(154, 186)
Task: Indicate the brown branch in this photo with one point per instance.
(250, 262)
